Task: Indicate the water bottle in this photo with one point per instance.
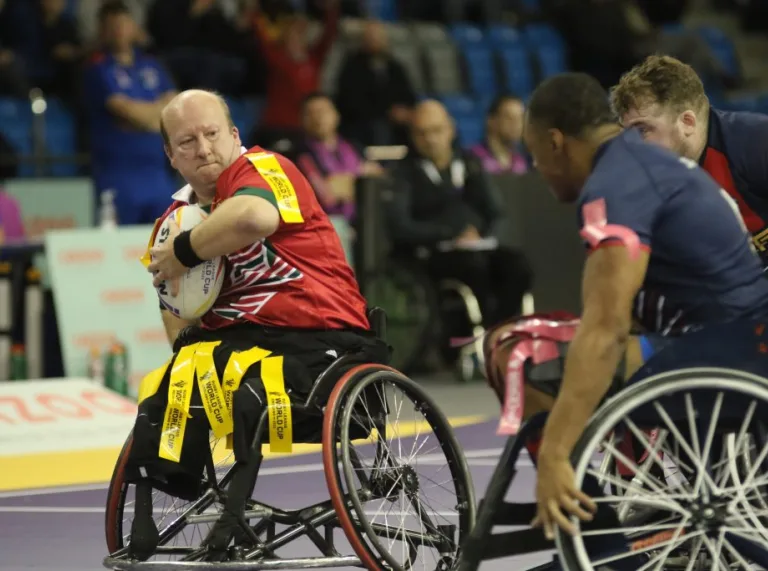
(96, 365)
(107, 211)
(18, 363)
(116, 368)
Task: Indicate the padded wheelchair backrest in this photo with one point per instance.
(377, 318)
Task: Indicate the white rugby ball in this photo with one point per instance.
(199, 286)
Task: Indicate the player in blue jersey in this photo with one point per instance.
(667, 253)
(665, 100)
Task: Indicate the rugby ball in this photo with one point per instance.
(199, 286)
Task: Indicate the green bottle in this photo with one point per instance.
(116, 368)
(18, 363)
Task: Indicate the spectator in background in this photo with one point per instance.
(125, 90)
(11, 222)
(443, 197)
(374, 93)
(500, 151)
(88, 20)
(331, 163)
(201, 45)
(294, 72)
(12, 79)
(63, 50)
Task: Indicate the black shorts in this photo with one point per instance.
(301, 355)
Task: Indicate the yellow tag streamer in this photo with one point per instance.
(211, 394)
(151, 382)
(237, 365)
(280, 424)
(177, 411)
(287, 202)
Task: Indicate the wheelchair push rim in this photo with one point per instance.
(703, 510)
(376, 536)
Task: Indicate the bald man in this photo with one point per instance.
(445, 201)
(289, 292)
(375, 94)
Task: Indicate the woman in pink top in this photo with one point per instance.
(11, 224)
(499, 152)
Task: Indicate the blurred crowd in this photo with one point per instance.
(116, 63)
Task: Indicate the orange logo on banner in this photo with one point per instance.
(151, 336)
(37, 226)
(133, 253)
(94, 338)
(122, 296)
(81, 256)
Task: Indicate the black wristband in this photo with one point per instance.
(182, 249)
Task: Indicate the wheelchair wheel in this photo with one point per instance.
(380, 486)
(703, 511)
(182, 525)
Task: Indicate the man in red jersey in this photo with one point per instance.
(288, 308)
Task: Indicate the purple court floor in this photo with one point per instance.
(64, 529)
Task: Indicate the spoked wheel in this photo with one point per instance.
(179, 536)
(697, 509)
(404, 494)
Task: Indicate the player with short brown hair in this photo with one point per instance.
(665, 100)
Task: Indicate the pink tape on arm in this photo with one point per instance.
(596, 228)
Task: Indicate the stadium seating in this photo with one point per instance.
(463, 65)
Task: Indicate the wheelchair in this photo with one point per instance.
(676, 461)
(378, 491)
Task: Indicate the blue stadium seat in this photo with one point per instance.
(481, 71)
(551, 61)
(384, 10)
(246, 113)
(549, 48)
(459, 106)
(542, 35)
(501, 36)
(11, 107)
(516, 70)
(467, 34)
(470, 130)
(722, 47)
(61, 140)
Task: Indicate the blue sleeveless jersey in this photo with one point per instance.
(703, 268)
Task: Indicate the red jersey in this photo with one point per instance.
(299, 276)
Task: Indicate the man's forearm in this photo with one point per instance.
(232, 226)
(589, 370)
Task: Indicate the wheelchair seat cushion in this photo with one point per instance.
(171, 433)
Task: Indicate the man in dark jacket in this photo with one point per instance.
(444, 202)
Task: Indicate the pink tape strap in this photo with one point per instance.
(539, 351)
(596, 228)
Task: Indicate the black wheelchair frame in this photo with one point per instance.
(234, 491)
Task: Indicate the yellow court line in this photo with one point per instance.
(95, 466)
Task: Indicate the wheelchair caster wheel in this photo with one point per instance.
(465, 368)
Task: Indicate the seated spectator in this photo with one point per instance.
(443, 201)
(201, 45)
(293, 73)
(12, 79)
(11, 222)
(375, 95)
(88, 21)
(331, 163)
(63, 50)
(125, 90)
(500, 151)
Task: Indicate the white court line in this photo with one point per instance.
(488, 456)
